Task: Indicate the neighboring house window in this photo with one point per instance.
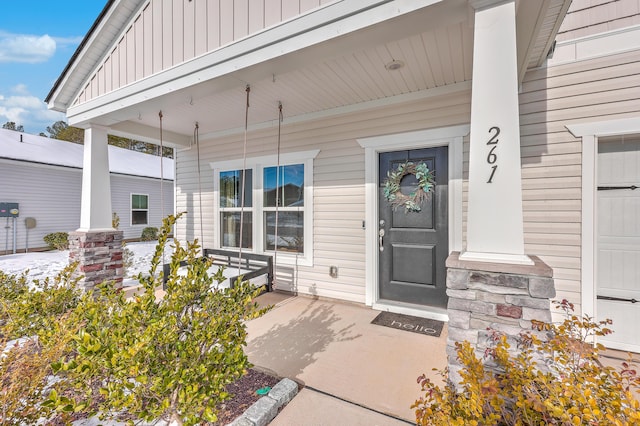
(294, 178)
(139, 209)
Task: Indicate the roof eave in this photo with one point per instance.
(65, 72)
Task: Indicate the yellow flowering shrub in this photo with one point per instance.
(558, 380)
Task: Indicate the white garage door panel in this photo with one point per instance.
(619, 273)
(618, 251)
(625, 318)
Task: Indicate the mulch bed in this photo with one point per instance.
(244, 395)
(243, 391)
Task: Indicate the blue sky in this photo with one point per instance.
(37, 39)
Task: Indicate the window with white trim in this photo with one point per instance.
(277, 209)
(231, 183)
(284, 189)
(139, 209)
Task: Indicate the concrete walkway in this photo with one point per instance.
(354, 372)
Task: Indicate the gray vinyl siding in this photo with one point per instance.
(121, 189)
(339, 170)
(604, 88)
(51, 195)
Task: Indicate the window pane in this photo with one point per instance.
(139, 201)
(290, 231)
(230, 188)
(139, 217)
(291, 182)
(231, 229)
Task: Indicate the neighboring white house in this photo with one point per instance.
(521, 131)
(44, 176)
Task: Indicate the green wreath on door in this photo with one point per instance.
(410, 202)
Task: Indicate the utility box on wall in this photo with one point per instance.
(9, 210)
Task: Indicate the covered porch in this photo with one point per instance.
(354, 82)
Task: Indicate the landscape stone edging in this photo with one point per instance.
(266, 408)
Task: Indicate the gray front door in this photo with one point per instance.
(414, 245)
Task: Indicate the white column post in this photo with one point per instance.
(494, 221)
(95, 211)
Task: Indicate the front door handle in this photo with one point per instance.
(380, 241)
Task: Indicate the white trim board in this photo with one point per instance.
(590, 132)
(451, 137)
(608, 43)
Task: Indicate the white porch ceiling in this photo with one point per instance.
(349, 79)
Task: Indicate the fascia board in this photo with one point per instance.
(121, 7)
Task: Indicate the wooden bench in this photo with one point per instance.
(255, 265)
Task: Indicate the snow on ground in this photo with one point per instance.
(49, 263)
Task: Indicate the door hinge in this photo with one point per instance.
(617, 299)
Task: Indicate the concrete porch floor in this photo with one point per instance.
(355, 372)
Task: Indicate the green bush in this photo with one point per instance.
(556, 381)
(57, 240)
(33, 310)
(144, 358)
(115, 220)
(149, 233)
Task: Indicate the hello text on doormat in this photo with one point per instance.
(418, 325)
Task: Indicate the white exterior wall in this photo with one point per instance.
(339, 176)
(589, 17)
(598, 89)
(51, 195)
(550, 98)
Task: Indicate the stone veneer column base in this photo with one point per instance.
(99, 257)
(502, 297)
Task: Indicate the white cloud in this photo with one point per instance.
(27, 110)
(26, 48)
(20, 89)
(67, 41)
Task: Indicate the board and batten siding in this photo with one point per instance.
(165, 33)
(121, 189)
(51, 195)
(589, 17)
(338, 175)
(598, 89)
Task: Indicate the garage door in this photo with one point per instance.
(618, 243)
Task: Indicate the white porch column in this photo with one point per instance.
(95, 211)
(494, 222)
(96, 246)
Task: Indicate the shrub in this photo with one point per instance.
(127, 258)
(170, 358)
(556, 381)
(115, 220)
(149, 233)
(33, 310)
(150, 359)
(57, 240)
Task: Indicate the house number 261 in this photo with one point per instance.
(492, 157)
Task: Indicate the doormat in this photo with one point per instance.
(430, 327)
